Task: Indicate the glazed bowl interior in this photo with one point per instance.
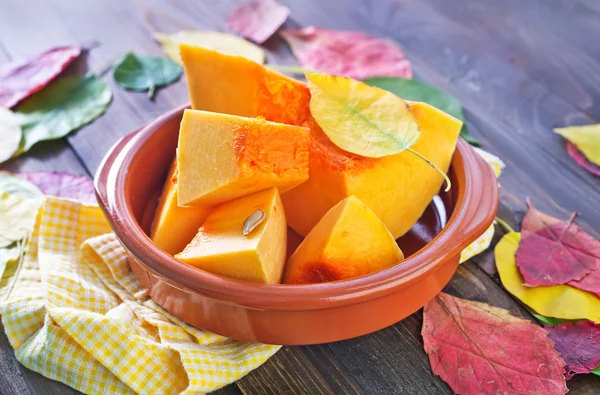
(135, 181)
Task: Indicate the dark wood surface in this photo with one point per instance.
(519, 67)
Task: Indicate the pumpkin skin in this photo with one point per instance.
(221, 157)
(173, 226)
(397, 188)
(221, 248)
(349, 241)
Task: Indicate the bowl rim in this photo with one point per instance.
(474, 211)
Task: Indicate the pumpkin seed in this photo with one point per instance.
(253, 220)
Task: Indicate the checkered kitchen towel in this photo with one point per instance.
(75, 313)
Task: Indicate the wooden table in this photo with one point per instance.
(519, 67)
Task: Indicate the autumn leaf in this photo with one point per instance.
(347, 53)
(145, 73)
(63, 185)
(17, 217)
(8, 254)
(258, 20)
(10, 134)
(549, 320)
(585, 138)
(13, 185)
(581, 160)
(360, 119)
(558, 301)
(555, 252)
(480, 349)
(22, 78)
(226, 43)
(578, 344)
(63, 106)
(416, 90)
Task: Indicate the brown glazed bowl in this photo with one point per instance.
(129, 182)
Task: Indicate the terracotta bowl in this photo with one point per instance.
(129, 182)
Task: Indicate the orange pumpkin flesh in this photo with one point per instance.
(397, 188)
(349, 241)
(221, 248)
(175, 226)
(221, 157)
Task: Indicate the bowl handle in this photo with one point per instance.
(481, 199)
(102, 180)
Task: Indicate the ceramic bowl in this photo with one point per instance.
(129, 182)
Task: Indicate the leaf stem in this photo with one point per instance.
(151, 92)
(430, 163)
(290, 69)
(105, 67)
(504, 224)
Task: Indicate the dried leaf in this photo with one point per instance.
(63, 185)
(145, 73)
(416, 90)
(226, 43)
(586, 138)
(480, 349)
(11, 184)
(258, 20)
(17, 217)
(10, 134)
(578, 344)
(554, 252)
(63, 106)
(581, 160)
(24, 77)
(8, 254)
(347, 53)
(361, 119)
(558, 301)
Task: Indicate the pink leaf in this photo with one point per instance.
(480, 349)
(578, 344)
(555, 252)
(22, 78)
(63, 185)
(581, 160)
(258, 20)
(347, 53)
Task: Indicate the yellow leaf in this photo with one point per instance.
(17, 217)
(558, 301)
(361, 119)
(586, 138)
(226, 43)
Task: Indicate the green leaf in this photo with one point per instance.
(18, 187)
(17, 217)
(416, 90)
(65, 105)
(10, 134)
(550, 320)
(596, 371)
(145, 73)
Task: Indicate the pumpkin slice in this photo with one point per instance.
(173, 226)
(397, 188)
(221, 157)
(220, 246)
(348, 241)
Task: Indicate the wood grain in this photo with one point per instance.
(520, 69)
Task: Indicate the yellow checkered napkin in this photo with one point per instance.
(483, 242)
(75, 313)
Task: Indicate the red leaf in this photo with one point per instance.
(582, 160)
(480, 349)
(578, 344)
(63, 185)
(555, 252)
(347, 53)
(24, 77)
(258, 20)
